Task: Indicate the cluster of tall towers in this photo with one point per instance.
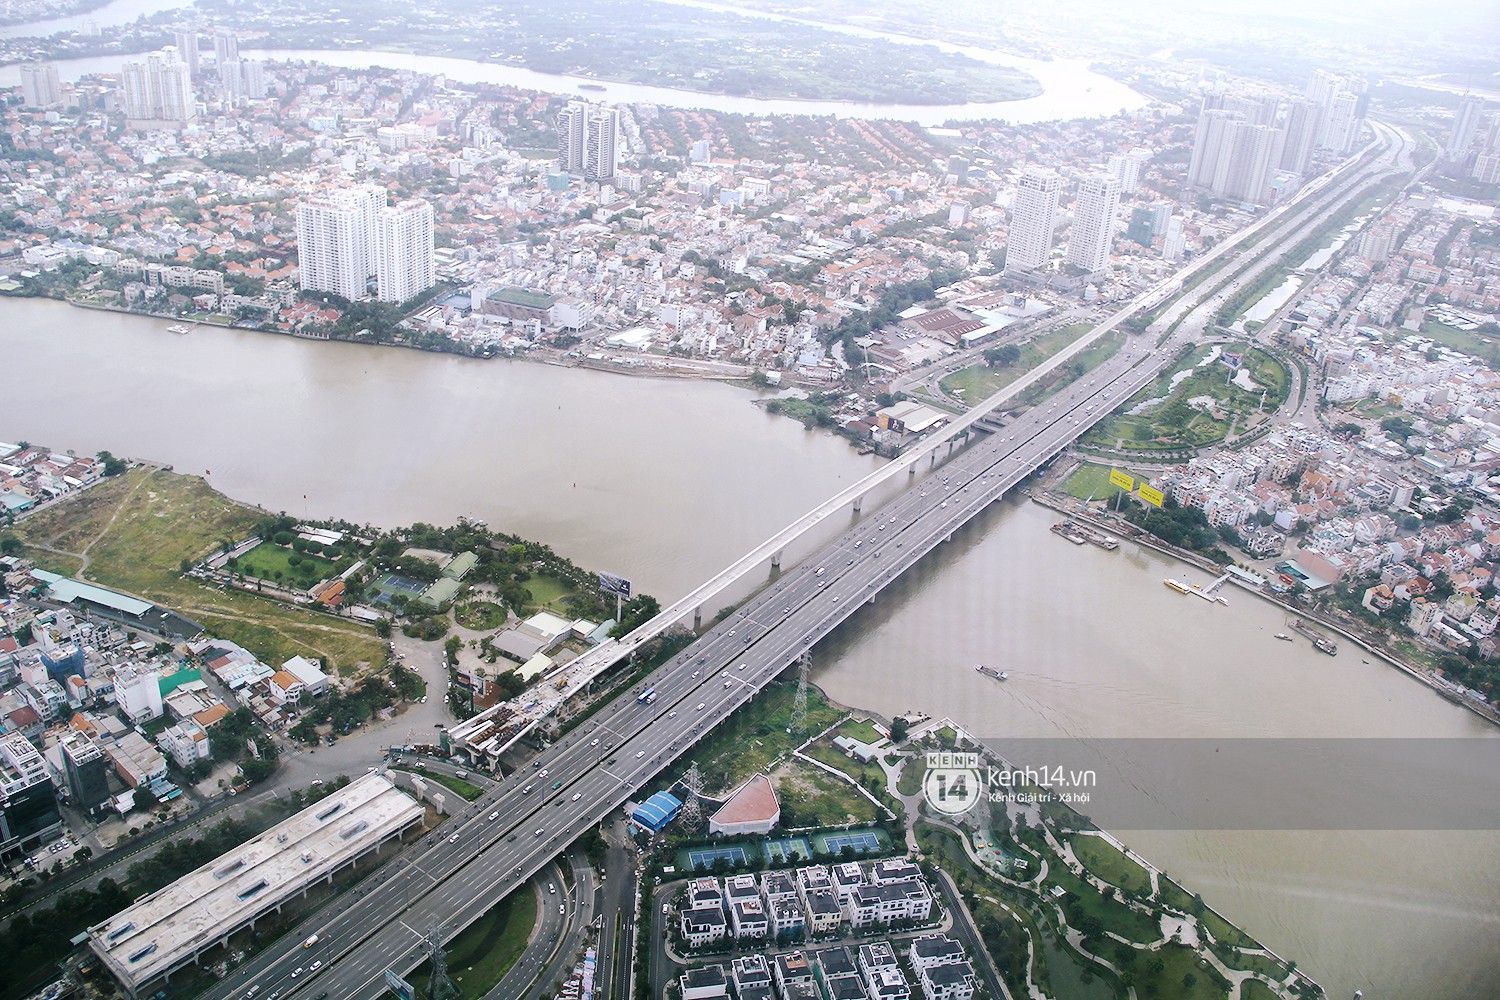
(1033, 221)
(1463, 159)
(1243, 142)
(588, 140)
(348, 236)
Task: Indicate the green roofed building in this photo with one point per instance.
(514, 303)
(459, 566)
(441, 592)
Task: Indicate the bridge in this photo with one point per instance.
(486, 736)
(490, 849)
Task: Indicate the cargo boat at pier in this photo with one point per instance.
(1320, 642)
(1069, 530)
(1080, 533)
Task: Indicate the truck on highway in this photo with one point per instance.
(646, 697)
(310, 941)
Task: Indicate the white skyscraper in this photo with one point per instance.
(1233, 157)
(226, 46)
(1033, 218)
(187, 48)
(1093, 230)
(1208, 145)
(1173, 241)
(336, 240)
(254, 72)
(572, 135)
(403, 251)
(1465, 125)
(40, 85)
(1300, 135)
(157, 93)
(1341, 127)
(588, 140)
(1127, 167)
(1340, 100)
(602, 152)
(231, 81)
(1247, 157)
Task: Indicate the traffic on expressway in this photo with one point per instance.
(491, 846)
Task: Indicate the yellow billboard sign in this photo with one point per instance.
(1152, 495)
(1118, 478)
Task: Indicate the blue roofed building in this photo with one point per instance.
(656, 812)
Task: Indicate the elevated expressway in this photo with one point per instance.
(485, 740)
(458, 873)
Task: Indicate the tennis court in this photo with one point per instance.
(782, 849)
(859, 841)
(388, 586)
(705, 857)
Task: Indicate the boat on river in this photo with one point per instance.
(999, 675)
(1181, 588)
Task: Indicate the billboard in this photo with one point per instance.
(1152, 495)
(611, 584)
(1118, 478)
(398, 986)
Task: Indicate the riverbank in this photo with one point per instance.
(1079, 512)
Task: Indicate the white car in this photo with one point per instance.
(577, 796)
(639, 754)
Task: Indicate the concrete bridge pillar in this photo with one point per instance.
(859, 503)
(776, 559)
(697, 618)
(911, 470)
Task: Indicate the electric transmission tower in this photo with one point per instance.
(439, 987)
(692, 785)
(799, 703)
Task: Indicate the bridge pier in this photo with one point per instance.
(911, 470)
(859, 503)
(776, 559)
(697, 618)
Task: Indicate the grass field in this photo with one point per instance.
(138, 528)
(1175, 895)
(487, 948)
(1114, 914)
(1175, 973)
(1476, 344)
(869, 776)
(817, 798)
(268, 561)
(480, 615)
(1092, 481)
(756, 735)
(978, 382)
(1104, 860)
(859, 729)
(1172, 423)
(547, 592)
(459, 786)
(912, 773)
(1254, 989)
(1263, 964)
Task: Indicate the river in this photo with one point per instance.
(1070, 88)
(668, 481)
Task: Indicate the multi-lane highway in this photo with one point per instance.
(524, 821)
